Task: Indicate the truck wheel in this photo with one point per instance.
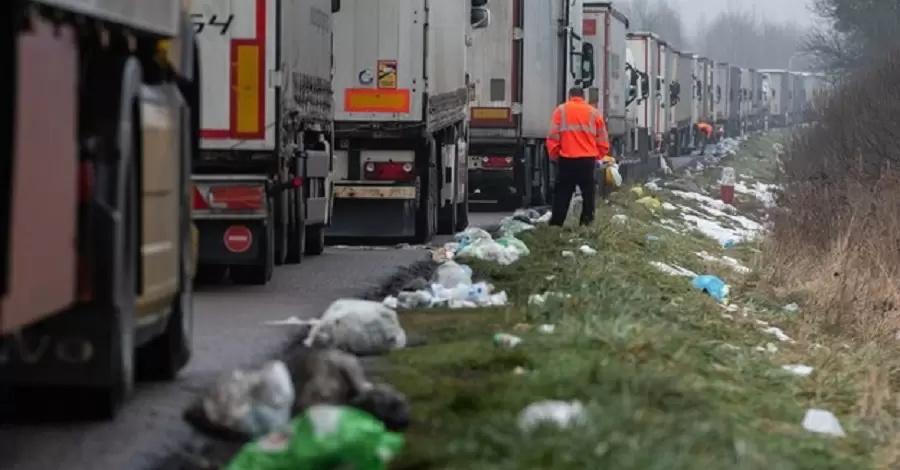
(282, 231)
(315, 240)
(162, 358)
(462, 215)
(167, 354)
(258, 275)
(297, 234)
(119, 383)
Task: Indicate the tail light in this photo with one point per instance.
(221, 197)
(389, 171)
(199, 202)
(497, 162)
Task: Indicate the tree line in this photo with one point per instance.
(737, 36)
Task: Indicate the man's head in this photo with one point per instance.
(576, 92)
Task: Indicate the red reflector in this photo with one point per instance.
(497, 162)
(199, 202)
(236, 197)
(297, 182)
(389, 171)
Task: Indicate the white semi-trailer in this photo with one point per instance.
(401, 117)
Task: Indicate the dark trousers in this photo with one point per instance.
(571, 172)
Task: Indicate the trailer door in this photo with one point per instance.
(239, 73)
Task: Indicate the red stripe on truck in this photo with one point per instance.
(258, 40)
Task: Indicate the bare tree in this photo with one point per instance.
(741, 38)
(855, 32)
(657, 16)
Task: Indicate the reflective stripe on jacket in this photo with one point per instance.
(578, 130)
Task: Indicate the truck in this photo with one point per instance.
(262, 191)
(96, 246)
(779, 96)
(721, 96)
(604, 30)
(637, 91)
(532, 48)
(644, 46)
(744, 101)
(401, 118)
(686, 108)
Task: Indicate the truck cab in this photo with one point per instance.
(99, 248)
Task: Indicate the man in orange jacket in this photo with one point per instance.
(576, 141)
(705, 135)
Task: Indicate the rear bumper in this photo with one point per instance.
(213, 249)
(375, 212)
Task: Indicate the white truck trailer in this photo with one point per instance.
(687, 106)
(645, 47)
(401, 118)
(96, 254)
(533, 49)
(605, 29)
(262, 192)
(779, 96)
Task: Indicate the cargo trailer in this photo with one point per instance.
(97, 248)
(605, 29)
(644, 47)
(262, 186)
(401, 118)
(533, 49)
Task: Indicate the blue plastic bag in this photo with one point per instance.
(713, 286)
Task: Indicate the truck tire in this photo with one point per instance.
(119, 381)
(164, 356)
(282, 230)
(167, 354)
(315, 240)
(297, 235)
(426, 218)
(259, 274)
(462, 215)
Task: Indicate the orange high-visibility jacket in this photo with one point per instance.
(578, 130)
(705, 128)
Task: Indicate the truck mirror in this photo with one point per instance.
(335, 6)
(479, 14)
(587, 64)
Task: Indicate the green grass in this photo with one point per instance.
(668, 380)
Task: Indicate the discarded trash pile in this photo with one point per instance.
(316, 408)
(451, 284)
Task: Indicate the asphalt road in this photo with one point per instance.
(229, 333)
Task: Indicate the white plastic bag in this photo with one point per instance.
(360, 327)
(617, 177)
(451, 274)
(561, 414)
(251, 402)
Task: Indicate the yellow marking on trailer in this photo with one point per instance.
(247, 89)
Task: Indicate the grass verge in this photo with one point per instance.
(670, 379)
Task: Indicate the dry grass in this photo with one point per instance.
(836, 243)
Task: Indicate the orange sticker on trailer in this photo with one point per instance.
(367, 100)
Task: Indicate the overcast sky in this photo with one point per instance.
(693, 11)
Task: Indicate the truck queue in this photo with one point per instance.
(229, 137)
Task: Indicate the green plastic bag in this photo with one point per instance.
(325, 437)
